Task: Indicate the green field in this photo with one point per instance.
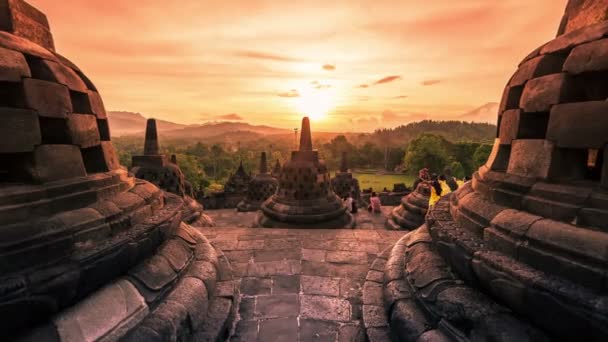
(380, 181)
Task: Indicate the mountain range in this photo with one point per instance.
(124, 123)
(128, 123)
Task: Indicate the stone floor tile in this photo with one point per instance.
(275, 306)
(279, 330)
(325, 308)
(255, 286)
(315, 285)
(282, 284)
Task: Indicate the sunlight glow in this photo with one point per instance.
(315, 103)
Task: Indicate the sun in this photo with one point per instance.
(315, 103)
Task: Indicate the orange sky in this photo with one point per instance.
(367, 63)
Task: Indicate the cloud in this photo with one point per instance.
(388, 79)
(323, 86)
(291, 93)
(430, 82)
(401, 97)
(231, 117)
(363, 86)
(329, 67)
(266, 56)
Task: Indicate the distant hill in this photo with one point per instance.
(488, 113)
(128, 123)
(134, 124)
(453, 131)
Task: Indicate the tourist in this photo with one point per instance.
(348, 202)
(445, 188)
(423, 176)
(375, 206)
(451, 181)
(354, 208)
(435, 191)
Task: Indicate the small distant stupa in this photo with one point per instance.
(261, 187)
(344, 183)
(305, 198)
(238, 182)
(276, 171)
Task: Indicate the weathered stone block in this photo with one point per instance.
(576, 37)
(13, 66)
(55, 162)
(97, 106)
(499, 157)
(280, 330)
(509, 126)
(109, 155)
(511, 98)
(66, 76)
(536, 67)
(579, 125)
(47, 98)
(192, 294)
(83, 130)
(543, 92)
(22, 19)
(155, 273)
(531, 158)
(108, 313)
(588, 57)
(566, 237)
(20, 130)
(277, 306)
(325, 308)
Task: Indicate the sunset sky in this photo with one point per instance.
(353, 65)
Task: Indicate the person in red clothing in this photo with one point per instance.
(375, 206)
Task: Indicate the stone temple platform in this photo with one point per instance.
(301, 284)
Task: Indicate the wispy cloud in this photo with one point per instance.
(266, 56)
(230, 117)
(362, 86)
(430, 82)
(329, 67)
(401, 97)
(388, 79)
(291, 93)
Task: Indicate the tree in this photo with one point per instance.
(427, 151)
(457, 170)
(481, 155)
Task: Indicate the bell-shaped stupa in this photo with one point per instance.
(261, 187)
(304, 197)
(521, 252)
(343, 183)
(87, 252)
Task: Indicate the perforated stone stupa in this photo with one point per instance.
(155, 167)
(238, 182)
(276, 171)
(304, 197)
(520, 253)
(165, 173)
(412, 210)
(343, 183)
(87, 252)
(261, 187)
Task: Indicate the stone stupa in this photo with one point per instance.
(87, 252)
(167, 175)
(276, 171)
(521, 252)
(304, 198)
(238, 182)
(343, 183)
(261, 187)
(412, 210)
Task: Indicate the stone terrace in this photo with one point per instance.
(300, 284)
